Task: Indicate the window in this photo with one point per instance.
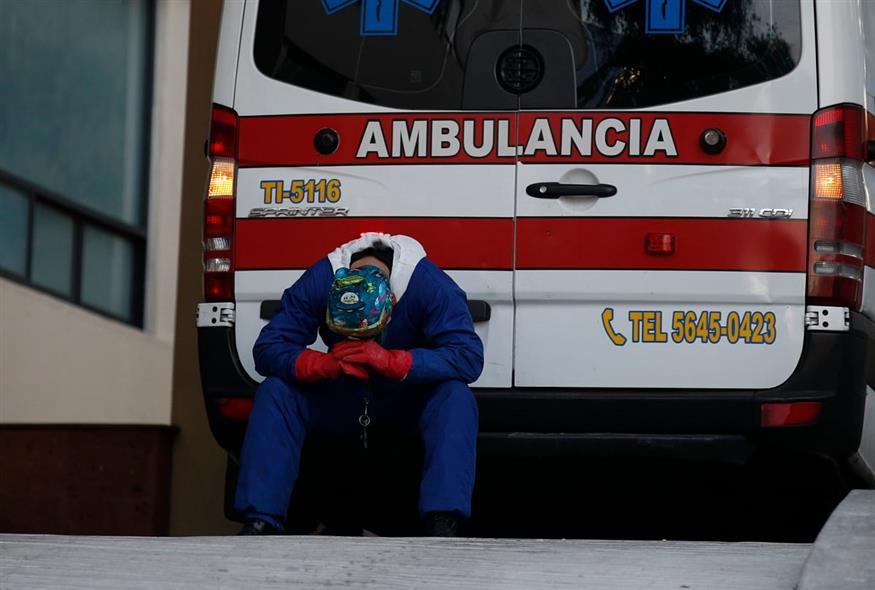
(620, 65)
(426, 62)
(73, 159)
(52, 247)
(422, 66)
(14, 219)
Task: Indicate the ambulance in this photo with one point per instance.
(661, 211)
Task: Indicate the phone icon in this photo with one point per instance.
(617, 338)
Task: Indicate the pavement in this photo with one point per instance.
(841, 558)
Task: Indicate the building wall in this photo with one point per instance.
(63, 365)
(60, 363)
(198, 462)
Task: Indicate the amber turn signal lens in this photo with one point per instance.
(221, 179)
(828, 181)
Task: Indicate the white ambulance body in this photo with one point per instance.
(661, 212)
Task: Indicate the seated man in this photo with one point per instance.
(408, 373)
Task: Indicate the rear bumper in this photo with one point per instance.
(706, 424)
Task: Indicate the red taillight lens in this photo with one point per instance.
(837, 220)
(789, 414)
(835, 288)
(218, 286)
(839, 132)
(219, 207)
(223, 133)
(837, 235)
(837, 217)
(218, 218)
(235, 408)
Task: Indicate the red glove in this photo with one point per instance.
(391, 364)
(313, 365)
(353, 369)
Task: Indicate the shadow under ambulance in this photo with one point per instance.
(770, 499)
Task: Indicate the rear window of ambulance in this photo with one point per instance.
(619, 63)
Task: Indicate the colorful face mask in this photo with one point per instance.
(360, 302)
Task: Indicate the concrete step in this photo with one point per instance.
(843, 557)
(320, 562)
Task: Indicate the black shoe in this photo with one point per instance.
(259, 527)
(441, 524)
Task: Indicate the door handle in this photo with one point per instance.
(554, 190)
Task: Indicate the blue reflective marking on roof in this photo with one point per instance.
(380, 17)
(665, 16)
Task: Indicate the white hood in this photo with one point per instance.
(407, 253)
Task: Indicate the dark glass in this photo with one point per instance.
(13, 231)
(75, 101)
(107, 272)
(52, 262)
(420, 67)
(619, 65)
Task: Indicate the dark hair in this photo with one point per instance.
(379, 251)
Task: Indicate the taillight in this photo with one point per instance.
(837, 216)
(235, 408)
(219, 207)
(839, 132)
(223, 133)
(789, 413)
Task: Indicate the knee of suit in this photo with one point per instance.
(274, 388)
(277, 394)
(453, 398)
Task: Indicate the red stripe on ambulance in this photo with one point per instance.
(700, 244)
(473, 242)
(554, 137)
(542, 243)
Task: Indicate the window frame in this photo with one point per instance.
(81, 217)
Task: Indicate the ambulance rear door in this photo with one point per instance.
(368, 116)
(662, 193)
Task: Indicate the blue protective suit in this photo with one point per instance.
(432, 321)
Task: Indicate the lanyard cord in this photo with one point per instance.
(365, 419)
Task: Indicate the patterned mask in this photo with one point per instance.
(360, 302)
